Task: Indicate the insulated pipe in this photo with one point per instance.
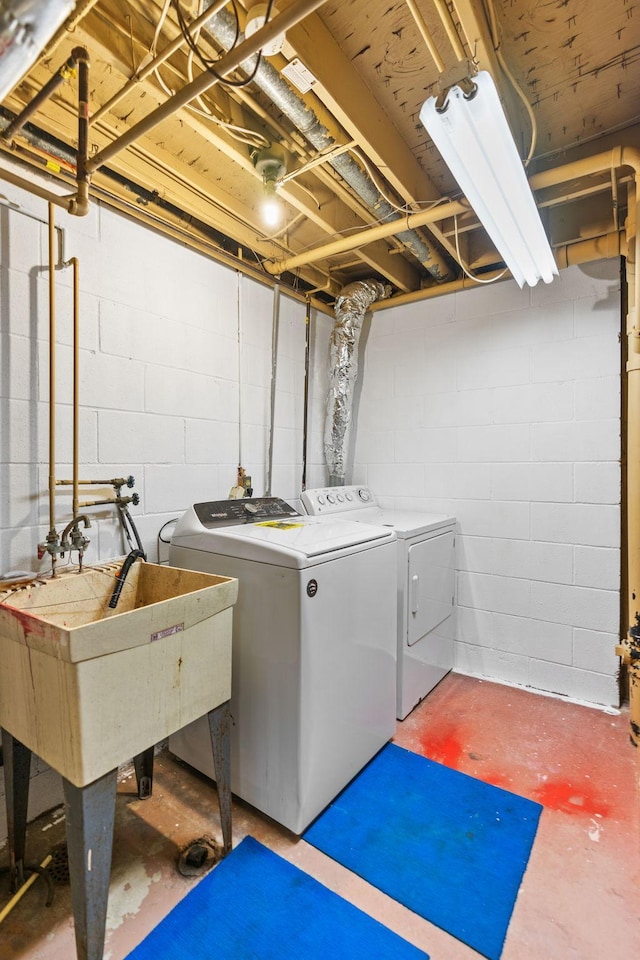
(143, 72)
(351, 306)
(223, 28)
(298, 10)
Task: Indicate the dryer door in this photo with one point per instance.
(430, 585)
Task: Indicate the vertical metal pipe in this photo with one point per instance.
(52, 373)
(239, 309)
(80, 206)
(275, 332)
(305, 418)
(76, 382)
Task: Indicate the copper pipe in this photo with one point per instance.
(52, 374)
(73, 262)
(298, 10)
(30, 187)
(164, 54)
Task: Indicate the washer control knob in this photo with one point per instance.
(364, 495)
(340, 498)
(320, 499)
(331, 498)
(348, 497)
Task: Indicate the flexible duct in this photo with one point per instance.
(350, 308)
(222, 26)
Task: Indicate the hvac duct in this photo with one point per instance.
(222, 26)
(25, 27)
(350, 308)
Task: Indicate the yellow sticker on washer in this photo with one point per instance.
(279, 524)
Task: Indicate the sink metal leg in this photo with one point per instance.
(17, 767)
(143, 764)
(90, 813)
(220, 730)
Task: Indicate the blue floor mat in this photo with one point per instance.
(257, 906)
(451, 848)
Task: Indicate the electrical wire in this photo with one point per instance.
(496, 40)
(207, 62)
(460, 261)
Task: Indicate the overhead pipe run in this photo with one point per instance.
(298, 10)
(222, 27)
(350, 308)
(78, 203)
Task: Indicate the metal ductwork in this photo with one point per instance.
(351, 306)
(222, 27)
(25, 27)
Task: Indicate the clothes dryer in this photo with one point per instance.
(314, 655)
(425, 584)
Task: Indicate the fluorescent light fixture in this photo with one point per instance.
(473, 136)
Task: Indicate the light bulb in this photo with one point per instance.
(271, 211)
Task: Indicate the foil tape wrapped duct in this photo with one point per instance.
(351, 306)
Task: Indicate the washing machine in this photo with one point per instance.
(314, 655)
(425, 584)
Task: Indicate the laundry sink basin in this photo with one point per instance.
(86, 686)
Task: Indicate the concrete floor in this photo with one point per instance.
(579, 898)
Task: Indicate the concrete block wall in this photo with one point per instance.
(502, 407)
(176, 368)
(175, 378)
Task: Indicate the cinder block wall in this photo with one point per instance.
(170, 363)
(502, 407)
(175, 354)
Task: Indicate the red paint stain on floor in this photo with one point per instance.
(445, 747)
(568, 798)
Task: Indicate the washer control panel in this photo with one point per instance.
(337, 500)
(218, 513)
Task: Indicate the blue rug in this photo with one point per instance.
(451, 848)
(257, 906)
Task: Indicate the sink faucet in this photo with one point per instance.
(72, 537)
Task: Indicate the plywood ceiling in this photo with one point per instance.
(574, 62)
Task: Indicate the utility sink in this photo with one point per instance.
(87, 687)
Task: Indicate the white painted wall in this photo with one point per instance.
(502, 407)
(497, 405)
(163, 377)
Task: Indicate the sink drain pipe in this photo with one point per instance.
(350, 308)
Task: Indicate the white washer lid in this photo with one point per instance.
(293, 542)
